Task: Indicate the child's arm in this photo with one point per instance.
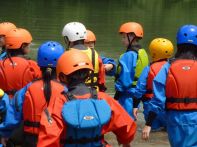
(110, 66)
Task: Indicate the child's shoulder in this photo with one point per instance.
(130, 53)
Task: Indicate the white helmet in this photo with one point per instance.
(74, 31)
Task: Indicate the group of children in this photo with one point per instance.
(61, 99)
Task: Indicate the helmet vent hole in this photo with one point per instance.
(77, 33)
(166, 51)
(54, 59)
(49, 45)
(164, 41)
(54, 45)
(196, 36)
(185, 34)
(45, 58)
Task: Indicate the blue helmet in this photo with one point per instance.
(48, 53)
(187, 34)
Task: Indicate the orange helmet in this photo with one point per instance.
(132, 27)
(90, 37)
(73, 60)
(5, 27)
(16, 37)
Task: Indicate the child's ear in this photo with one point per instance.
(62, 77)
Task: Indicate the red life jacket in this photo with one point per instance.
(181, 85)
(154, 69)
(35, 103)
(14, 76)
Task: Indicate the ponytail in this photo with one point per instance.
(48, 75)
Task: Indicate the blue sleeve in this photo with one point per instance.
(140, 89)
(13, 113)
(3, 55)
(109, 61)
(157, 103)
(127, 62)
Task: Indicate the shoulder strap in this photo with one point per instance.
(93, 57)
(93, 93)
(93, 63)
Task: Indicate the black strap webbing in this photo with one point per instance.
(93, 63)
(181, 100)
(11, 92)
(145, 99)
(149, 91)
(31, 124)
(94, 93)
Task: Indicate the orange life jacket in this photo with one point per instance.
(14, 76)
(154, 69)
(35, 103)
(181, 85)
(120, 122)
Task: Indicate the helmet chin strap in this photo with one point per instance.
(130, 41)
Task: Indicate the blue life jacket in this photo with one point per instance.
(84, 120)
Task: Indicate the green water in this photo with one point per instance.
(46, 18)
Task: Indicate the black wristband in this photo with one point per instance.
(151, 116)
(136, 102)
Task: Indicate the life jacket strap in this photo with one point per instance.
(145, 99)
(11, 92)
(70, 140)
(181, 100)
(31, 124)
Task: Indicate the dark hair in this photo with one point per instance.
(186, 51)
(48, 74)
(79, 76)
(78, 42)
(17, 52)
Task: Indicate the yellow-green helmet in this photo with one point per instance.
(161, 48)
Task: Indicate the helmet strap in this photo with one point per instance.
(130, 41)
(67, 42)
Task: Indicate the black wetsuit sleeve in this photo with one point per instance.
(151, 116)
(136, 102)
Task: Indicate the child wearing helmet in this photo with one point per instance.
(74, 34)
(175, 91)
(5, 27)
(37, 96)
(16, 70)
(161, 50)
(79, 94)
(130, 65)
(109, 64)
